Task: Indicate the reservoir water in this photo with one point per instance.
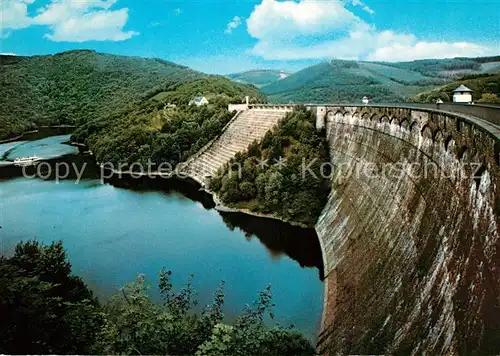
(114, 230)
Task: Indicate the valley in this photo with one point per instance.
(368, 237)
(343, 81)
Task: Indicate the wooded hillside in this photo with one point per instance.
(72, 87)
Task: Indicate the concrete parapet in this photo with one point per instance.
(410, 234)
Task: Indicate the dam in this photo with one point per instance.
(410, 233)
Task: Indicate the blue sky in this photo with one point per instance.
(229, 36)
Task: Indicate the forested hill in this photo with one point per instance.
(72, 87)
(348, 81)
(486, 89)
(152, 130)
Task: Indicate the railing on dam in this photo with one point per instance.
(410, 235)
(484, 118)
(490, 113)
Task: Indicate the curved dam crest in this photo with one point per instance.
(410, 232)
(411, 259)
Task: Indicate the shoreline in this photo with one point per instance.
(219, 206)
(75, 144)
(57, 127)
(12, 139)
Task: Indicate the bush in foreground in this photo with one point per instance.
(45, 309)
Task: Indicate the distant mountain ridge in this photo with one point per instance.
(348, 81)
(77, 86)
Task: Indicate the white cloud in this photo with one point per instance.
(178, 11)
(363, 6)
(288, 19)
(234, 23)
(70, 21)
(312, 29)
(423, 50)
(14, 14)
(8, 54)
(357, 44)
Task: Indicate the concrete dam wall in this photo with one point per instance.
(410, 233)
(241, 131)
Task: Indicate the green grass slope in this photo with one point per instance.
(259, 77)
(336, 81)
(486, 89)
(348, 81)
(71, 87)
(214, 88)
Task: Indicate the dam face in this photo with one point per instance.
(410, 233)
(245, 127)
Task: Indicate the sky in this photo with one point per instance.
(227, 36)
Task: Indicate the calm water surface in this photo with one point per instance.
(44, 148)
(114, 231)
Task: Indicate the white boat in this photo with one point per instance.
(26, 161)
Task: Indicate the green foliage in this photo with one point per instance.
(218, 90)
(432, 67)
(71, 87)
(489, 98)
(340, 81)
(445, 67)
(137, 325)
(327, 82)
(44, 309)
(480, 85)
(249, 336)
(150, 130)
(432, 97)
(273, 177)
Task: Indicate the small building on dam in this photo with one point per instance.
(462, 94)
(411, 251)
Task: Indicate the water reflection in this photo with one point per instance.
(48, 147)
(111, 234)
(168, 186)
(280, 238)
(300, 244)
(5, 148)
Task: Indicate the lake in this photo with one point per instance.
(114, 230)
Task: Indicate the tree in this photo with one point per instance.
(489, 98)
(43, 307)
(271, 181)
(249, 336)
(247, 190)
(137, 325)
(434, 96)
